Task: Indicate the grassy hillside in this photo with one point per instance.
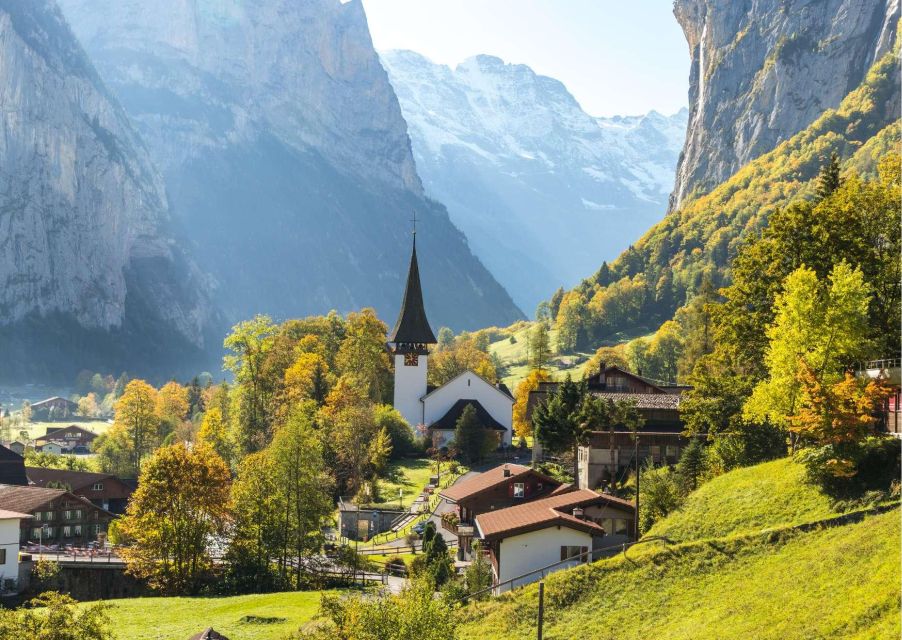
(738, 570)
(766, 496)
(255, 617)
(840, 582)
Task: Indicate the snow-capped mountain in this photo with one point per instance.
(543, 190)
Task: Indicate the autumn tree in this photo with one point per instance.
(180, 504)
(249, 344)
(214, 433)
(87, 406)
(172, 407)
(539, 347)
(446, 364)
(362, 355)
(522, 426)
(137, 419)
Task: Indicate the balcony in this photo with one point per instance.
(451, 523)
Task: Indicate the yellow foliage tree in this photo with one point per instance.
(137, 418)
(522, 426)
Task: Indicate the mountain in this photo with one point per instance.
(285, 155)
(543, 190)
(91, 274)
(667, 265)
(763, 70)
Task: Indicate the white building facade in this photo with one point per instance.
(9, 546)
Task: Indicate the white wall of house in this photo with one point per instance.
(9, 542)
(410, 386)
(536, 549)
(469, 386)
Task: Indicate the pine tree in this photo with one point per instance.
(691, 465)
(469, 434)
(828, 179)
(540, 347)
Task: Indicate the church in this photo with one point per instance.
(435, 410)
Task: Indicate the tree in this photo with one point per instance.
(447, 364)
(539, 347)
(172, 407)
(570, 322)
(249, 343)
(664, 352)
(691, 465)
(181, 502)
(559, 424)
(555, 302)
(214, 433)
(828, 179)
(87, 406)
(55, 616)
(438, 562)
(380, 449)
(362, 355)
(115, 452)
(136, 416)
(348, 428)
(445, 338)
(26, 412)
(308, 378)
(826, 326)
(471, 438)
(522, 426)
(400, 433)
(659, 494)
(695, 322)
(543, 312)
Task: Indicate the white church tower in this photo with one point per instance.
(410, 340)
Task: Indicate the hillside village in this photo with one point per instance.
(702, 439)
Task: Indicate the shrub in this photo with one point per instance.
(852, 469)
(659, 494)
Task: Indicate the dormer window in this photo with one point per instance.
(519, 489)
(98, 486)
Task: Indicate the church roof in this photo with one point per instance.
(412, 326)
(448, 422)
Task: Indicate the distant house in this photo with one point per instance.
(15, 445)
(103, 489)
(553, 533)
(12, 467)
(503, 486)
(51, 447)
(55, 408)
(609, 455)
(10, 525)
(59, 517)
(72, 439)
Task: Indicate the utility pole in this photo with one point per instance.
(541, 608)
(636, 454)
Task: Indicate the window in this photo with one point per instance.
(656, 453)
(96, 529)
(98, 486)
(67, 515)
(37, 516)
(540, 486)
(519, 490)
(574, 552)
(76, 514)
(36, 533)
(76, 530)
(49, 532)
(672, 451)
(48, 516)
(621, 528)
(67, 531)
(608, 526)
(2, 556)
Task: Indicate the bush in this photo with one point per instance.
(659, 494)
(747, 444)
(853, 469)
(55, 616)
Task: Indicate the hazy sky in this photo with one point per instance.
(615, 56)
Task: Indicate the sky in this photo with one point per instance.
(617, 57)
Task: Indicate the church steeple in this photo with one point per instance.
(412, 331)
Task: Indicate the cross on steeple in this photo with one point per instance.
(414, 221)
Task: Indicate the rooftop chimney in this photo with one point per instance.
(578, 512)
(507, 471)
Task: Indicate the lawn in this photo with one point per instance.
(411, 476)
(768, 495)
(39, 429)
(840, 582)
(277, 614)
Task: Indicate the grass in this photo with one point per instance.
(513, 356)
(411, 476)
(768, 495)
(841, 582)
(179, 618)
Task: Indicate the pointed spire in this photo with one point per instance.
(412, 327)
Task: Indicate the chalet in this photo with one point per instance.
(498, 488)
(10, 525)
(59, 517)
(611, 452)
(103, 490)
(55, 408)
(569, 527)
(436, 410)
(72, 439)
(12, 467)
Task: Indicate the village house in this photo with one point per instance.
(103, 490)
(435, 410)
(12, 467)
(497, 488)
(16, 446)
(59, 517)
(55, 408)
(10, 525)
(71, 439)
(572, 526)
(610, 454)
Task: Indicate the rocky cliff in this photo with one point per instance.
(763, 70)
(285, 155)
(88, 268)
(543, 190)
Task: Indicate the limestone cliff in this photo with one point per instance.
(763, 70)
(84, 244)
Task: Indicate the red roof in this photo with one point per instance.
(489, 479)
(555, 510)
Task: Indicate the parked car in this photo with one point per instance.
(419, 528)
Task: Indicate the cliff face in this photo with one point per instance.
(543, 190)
(83, 212)
(285, 155)
(763, 70)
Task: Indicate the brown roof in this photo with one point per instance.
(644, 400)
(28, 499)
(75, 480)
(487, 480)
(540, 514)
